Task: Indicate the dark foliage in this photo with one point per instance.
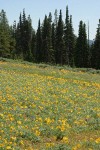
(53, 42)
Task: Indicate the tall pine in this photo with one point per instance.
(24, 37)
(5, 35)
(60, 41)
(69, 40)
(38, 54)
(95, 60)
(81, 52)
(19, 39)
(47, 48)
(54, 31)
(66, 37)
(51, 57)
(71, 43)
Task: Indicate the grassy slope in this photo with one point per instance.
(44, 107)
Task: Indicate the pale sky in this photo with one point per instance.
(86, 10)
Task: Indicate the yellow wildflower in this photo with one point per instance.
(97, 140)
(8, 147)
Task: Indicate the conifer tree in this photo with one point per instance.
(95, 60)
(47, 49)
(13, 40)
(51, 57)
(24, 37)
(71, 43)
(38, 54)
(54, 32)
(56, 18)
(66, 37)
(81, 54)
(60, 41)
(5, 38)
(33, 46)
(89, 50)
(69, 39)
(53, 37)
(44, 40)
(19, 40)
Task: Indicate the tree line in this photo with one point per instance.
(53, 42)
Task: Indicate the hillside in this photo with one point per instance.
(45, 107)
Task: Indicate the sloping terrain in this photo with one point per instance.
(45, 107)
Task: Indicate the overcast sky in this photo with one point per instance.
(86, 10)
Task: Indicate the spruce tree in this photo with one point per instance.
(81, 54)
(60, 41)
(95, 60)
(19, 40)
(55, 18)
(47, 48)
(5, 37)
(45, 40)
(71, 43)
(33, 46)
(54, 32)
(66, 37)
(13, 41)
(89, 50)
(38, 54)
(24, 37)
(69, 40)
(51, 57)
(53, 37)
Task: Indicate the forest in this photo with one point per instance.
(54, 41)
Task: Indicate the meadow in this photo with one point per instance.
(45, 107)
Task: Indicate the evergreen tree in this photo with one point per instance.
(95, 60)
(5, 38)
(53, 37)
(44, 40)
(13, 40)
(54, 32)
(81, 54)
(47, 49)
(39, 43)
(69, 40)
(19, 40)
(89, 50)
(51, 57)
(60, 41)
(33, 46)
(55, 19)
(71, 43)
(66, 37)
(29, 36)
(24, 37)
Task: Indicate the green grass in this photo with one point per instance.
(44, 107)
